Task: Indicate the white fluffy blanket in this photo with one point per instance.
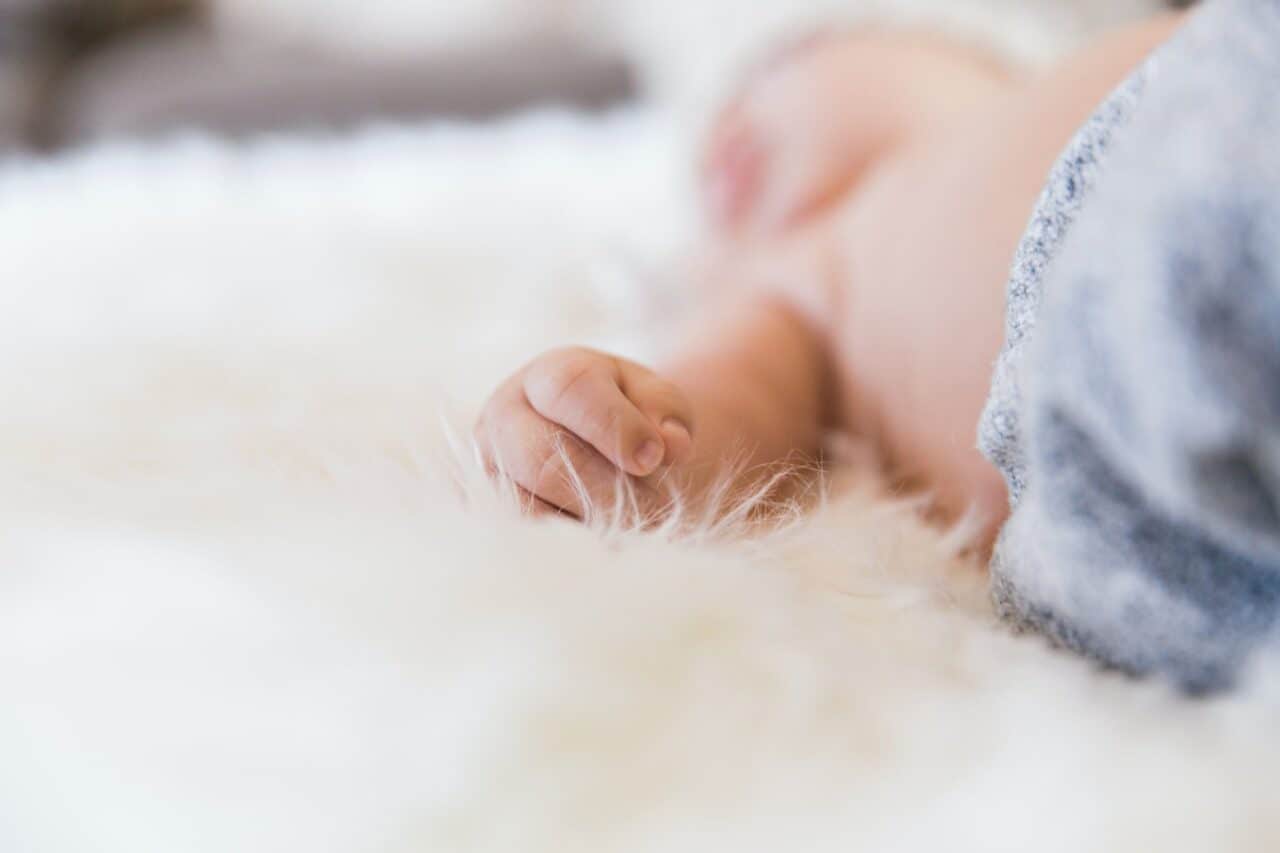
(250, 600)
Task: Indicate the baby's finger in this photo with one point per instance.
(664, 405)
(532, 505)
(559, 468)
(580, 391)
(589, 486)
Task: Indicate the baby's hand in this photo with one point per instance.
(571, 422)
(809, 124)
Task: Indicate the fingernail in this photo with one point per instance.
(649, 456)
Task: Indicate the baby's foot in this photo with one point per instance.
(808, 124)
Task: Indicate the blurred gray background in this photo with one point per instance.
(73, 71)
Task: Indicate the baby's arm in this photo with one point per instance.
(761, 387)
(749, 395)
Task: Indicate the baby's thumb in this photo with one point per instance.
(665, 406)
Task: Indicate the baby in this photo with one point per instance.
(884, 179)
(927, 248)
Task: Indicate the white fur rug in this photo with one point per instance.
(247, 604)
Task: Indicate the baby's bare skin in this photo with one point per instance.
(880, 302)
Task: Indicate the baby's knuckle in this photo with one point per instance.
(519, 465)
(557, 360)
(667, 389)
(484, 426)
(559, 472)
(608, 422)
(548, 469)
(487, 422)
(558, 377)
